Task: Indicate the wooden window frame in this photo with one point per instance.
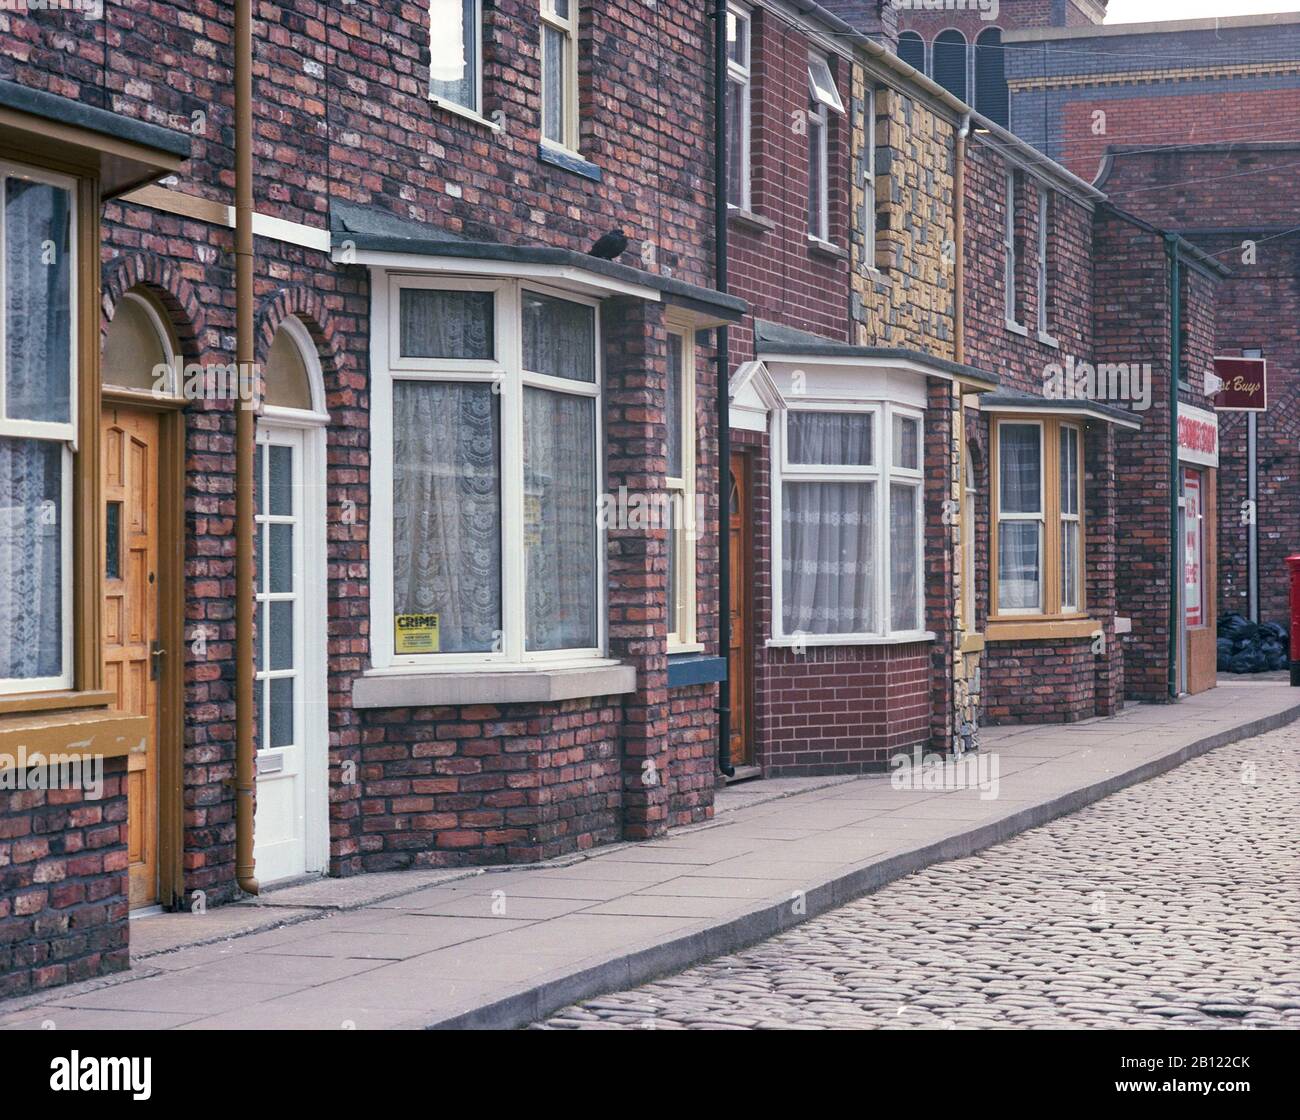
(869, 200)
(1050, 518)
(475, 111)
(740, 77)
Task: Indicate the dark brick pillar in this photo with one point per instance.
(635, 384)
(1100, 567)
(941, 527)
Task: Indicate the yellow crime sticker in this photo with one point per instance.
(416, 633)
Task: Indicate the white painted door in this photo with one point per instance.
(280, 848)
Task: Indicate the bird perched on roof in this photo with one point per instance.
(611, 246)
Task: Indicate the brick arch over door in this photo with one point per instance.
(165, 283)
(310, 310)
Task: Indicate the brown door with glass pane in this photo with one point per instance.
(130, 540)
(739, 662)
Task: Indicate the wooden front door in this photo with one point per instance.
(739, 667)
(130, 550)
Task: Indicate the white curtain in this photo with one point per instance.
(903, 560)
(554, 44)
(38, 302)
(447, 510)
(31, 560)
(447, 324)
(828, 557)
(1018, 565)
(829, 438)
(1020, 468)
(559, 520)
(453, 44)
(1020, 542)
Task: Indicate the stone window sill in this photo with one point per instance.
(399, 688)
(747, 219)
(810, 640)
(1031, 629)
(821, 248)
(568, 161)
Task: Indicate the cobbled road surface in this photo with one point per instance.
(1172, 904)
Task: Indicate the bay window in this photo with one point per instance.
(679, 417)
(849, 517)
(738, 106)
(560, 73)
(455, 53)
(824, 99)
(494, 487)
(1039, 522)
(38, 420)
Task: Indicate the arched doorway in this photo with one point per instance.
(291, 829)
(141, 535)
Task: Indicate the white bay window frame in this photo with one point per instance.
(62, 433)
(883, 475)
(682, 605)
(506, 375)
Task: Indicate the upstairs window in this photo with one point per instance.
(739, 48)
(824, 100)
(868, 221)
(1015, 189)
(991, 96)
(950, 62)
(1045, 308)
(560, 73)
(911, 49)
(456, 53)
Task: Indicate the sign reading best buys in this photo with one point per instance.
(1245, 384)
(1198, 436)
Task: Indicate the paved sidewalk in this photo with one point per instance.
(508, 947)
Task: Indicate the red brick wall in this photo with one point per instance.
(341, 113)
(63, 889)
(1236, 203)
(783, 276)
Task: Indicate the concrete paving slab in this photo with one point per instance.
(92, 1019)
(635, 910)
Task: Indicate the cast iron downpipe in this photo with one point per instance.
(724, 381)
(244, 437)
(1175, 360)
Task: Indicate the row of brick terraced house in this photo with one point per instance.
(517, 593)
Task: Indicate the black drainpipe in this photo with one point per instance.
(724, 378)
(1175, 557)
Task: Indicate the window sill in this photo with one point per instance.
(420, 688)
(568, 161)
(464, 113)
(747, 219)
(1047, 340)
(809, 640)
(77, 733)
(694, 669)
(1016, 328)
(54, 701)
(826, 249)
(1040, 629)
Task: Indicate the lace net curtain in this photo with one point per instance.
(1019, 541)
(38, 315)
(828, 538)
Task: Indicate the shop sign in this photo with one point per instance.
(1198, 436)
(1244, 384)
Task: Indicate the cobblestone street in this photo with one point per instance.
(1172, 904)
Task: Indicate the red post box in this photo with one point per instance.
(1293, 562)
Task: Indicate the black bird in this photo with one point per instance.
(611, 246)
